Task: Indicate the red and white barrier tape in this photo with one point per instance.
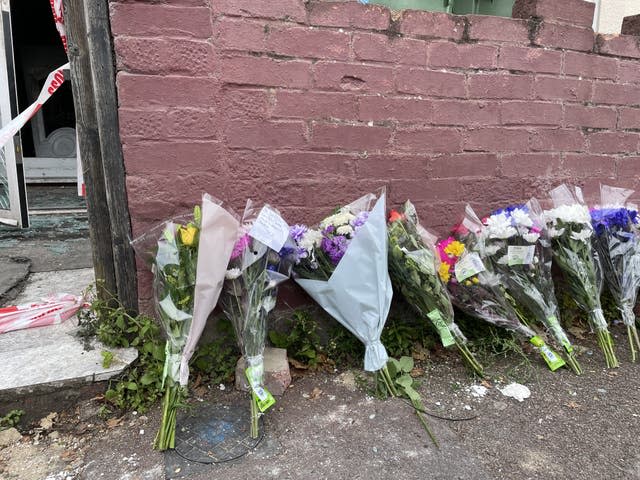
(51, 311)
(51, 84)
(56, 8)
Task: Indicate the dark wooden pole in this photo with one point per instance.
(89, 144)
(105, 97)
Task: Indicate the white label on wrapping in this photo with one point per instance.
(520, 255)
(469, 265)
(270, 229)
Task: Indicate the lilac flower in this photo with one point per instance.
(360, 220)
(335, 247)
(297, 232)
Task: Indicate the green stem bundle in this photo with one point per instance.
(166, 436)
(605, 342)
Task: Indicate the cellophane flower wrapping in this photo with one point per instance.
(514, 242)
(187, 256)
(342, 265)
(571, 233)
(250, 289)
(617, 242)
(483, 295)
(418, 274)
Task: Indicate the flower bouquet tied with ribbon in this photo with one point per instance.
(483, 296)
(342, 265)
(188, 256)
(514, 242)
(419, 275)
(249, 294)
(571, 235)
(617, 242)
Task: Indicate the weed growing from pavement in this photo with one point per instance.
(11, 419)
(139, 386)
(302, 341)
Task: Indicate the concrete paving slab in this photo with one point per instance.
(53, 356)
(13, 273)
(43, 284)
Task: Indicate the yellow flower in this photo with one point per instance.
(443, 271)
(188, 234)
(468, 283)
(455, 248)
(475, 280)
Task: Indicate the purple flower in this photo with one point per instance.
(297, 232)
(360, 220)
(241, 244)
(335, 247)
(612, 219)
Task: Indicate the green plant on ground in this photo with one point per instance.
(302, 342)
(107, 358)
(139, 386)
(216, 361)
(343, 348)
(11, 419)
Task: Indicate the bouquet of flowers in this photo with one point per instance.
(188, 258)
(571, 231)
(249, 294)
(482, 296)
(342, 265)
(514, 242)
(617, 242)
(418, 275)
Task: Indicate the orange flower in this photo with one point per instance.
(394, 216)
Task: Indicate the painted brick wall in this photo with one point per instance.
(308, 105)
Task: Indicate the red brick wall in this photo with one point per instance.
(308, 105)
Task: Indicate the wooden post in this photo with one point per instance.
(105, 98)
(89, 144)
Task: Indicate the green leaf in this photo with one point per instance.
(406, 364)
(394, 367)
(132, 386)
(148, 378)
(405, 381)
(107, 358)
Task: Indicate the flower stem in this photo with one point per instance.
(255, 413)
(386, 376)
(424, 423)
(470, 359)
(573, 361)
(166, 436)
(605, 342)
(634, 341)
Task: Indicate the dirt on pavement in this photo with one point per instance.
(326, 426)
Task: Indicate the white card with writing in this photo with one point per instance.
(270, 229)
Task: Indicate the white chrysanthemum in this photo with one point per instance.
(521, 217)
(575, 213)
(344, 230)
(553, 232)
(232, 273)
(583, 235)
(531, 237)
(499, 226)
(342, 217)
(310, 240)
